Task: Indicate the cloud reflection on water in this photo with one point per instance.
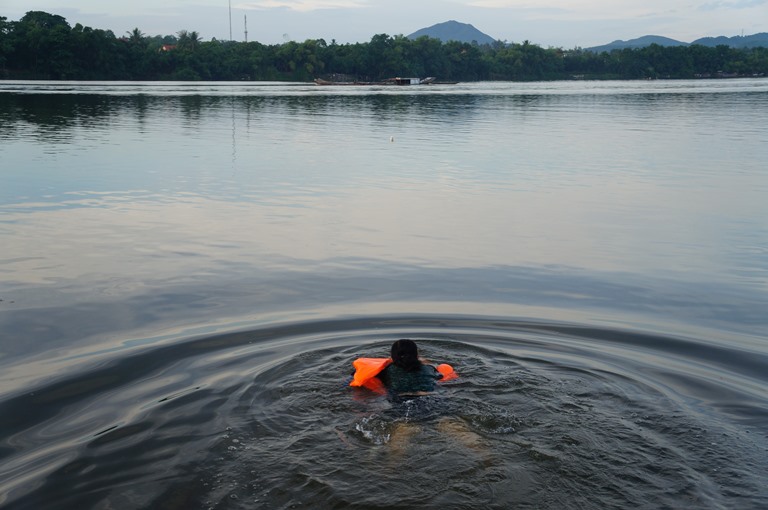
(196, 257)
(429, 224)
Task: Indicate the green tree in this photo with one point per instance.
(137, 38)
(5, 43)
(41, 45)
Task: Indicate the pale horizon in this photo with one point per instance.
(550, 23)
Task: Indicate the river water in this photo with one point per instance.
(188, 270)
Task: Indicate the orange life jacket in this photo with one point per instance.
(366, 370)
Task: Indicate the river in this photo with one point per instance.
(187, 271)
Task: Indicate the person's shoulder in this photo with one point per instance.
(385, 373)
(430, 369)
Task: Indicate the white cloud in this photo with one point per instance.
(732, 4)
(547, 22)
(301, 5)
(588, 9)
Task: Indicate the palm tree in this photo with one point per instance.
(194, 39)
(137, 39)
(188, 40)
(183, 39)
(136, 36)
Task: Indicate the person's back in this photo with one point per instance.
(398, 380)
(407, 375)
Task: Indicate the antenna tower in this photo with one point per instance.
(245, 22)
(230, 20)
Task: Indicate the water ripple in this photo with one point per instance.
(543, 415)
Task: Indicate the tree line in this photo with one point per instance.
(44, 46)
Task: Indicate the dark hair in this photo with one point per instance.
(405, 355)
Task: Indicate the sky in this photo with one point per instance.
(558, 23)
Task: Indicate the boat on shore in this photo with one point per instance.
(431, 80)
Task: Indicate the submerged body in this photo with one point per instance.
(405, 376)
(409, 382)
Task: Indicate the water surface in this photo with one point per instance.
(187, 271)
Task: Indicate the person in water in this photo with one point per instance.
(402, 374)
(407, 375)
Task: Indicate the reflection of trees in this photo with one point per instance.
(431, 110)
(427, 109)
(52, 117)
(55, 116)
(191, 108)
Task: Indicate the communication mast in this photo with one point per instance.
(230, 20)
(245, 23)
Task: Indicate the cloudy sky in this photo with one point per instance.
(560, 23)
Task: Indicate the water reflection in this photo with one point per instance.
(139, 264)
(121, 191)
(443, 228)
(174, 257)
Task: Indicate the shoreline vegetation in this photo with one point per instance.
(43, 46)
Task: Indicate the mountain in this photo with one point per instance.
(454, 31)
(738, 41)
(640, 42)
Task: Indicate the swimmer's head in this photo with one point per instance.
(405, 354)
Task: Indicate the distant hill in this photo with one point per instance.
(640, 42)
(747, 41)
(738, 41)
(454, 31)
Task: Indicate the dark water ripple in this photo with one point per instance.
(544, 415)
